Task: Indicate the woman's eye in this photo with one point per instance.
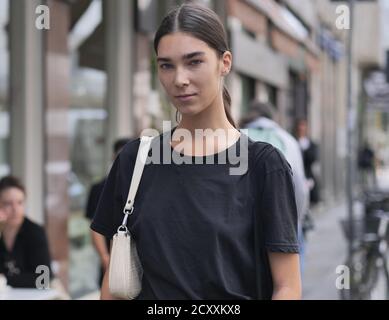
(195, 62)
(166, 66)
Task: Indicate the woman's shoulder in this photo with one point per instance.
(130, 149)
(32, 227)
(266, 157)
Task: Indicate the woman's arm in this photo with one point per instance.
(105, 294)
(101, 248)
(285, 269)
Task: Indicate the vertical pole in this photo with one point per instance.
(57, 149)
(26, 100)
(120, 51)
(350, 128)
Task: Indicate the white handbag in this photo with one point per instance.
(125, 269)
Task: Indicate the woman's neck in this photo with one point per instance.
(213, 117)
(219, 134)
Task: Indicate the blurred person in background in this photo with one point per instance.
(261, 127)
(23, 243)
(101, 243)
(310, 152)
(367, 166)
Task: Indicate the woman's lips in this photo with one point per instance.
(186, 97)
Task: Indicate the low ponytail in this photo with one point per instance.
(227, 105)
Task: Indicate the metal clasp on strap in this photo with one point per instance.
(123, 229)
(128, 210)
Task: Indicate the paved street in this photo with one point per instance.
(383, 177)
(326, 248)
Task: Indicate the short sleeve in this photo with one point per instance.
(109, 212)
(278, 209)
(93, 199)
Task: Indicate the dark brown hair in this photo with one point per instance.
(11, 182)
(205, 25)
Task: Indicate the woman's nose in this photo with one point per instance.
(181, 78)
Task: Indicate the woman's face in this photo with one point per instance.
(191, 72)
(12, 204)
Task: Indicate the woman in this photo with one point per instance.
(23, 244)
(203, 233)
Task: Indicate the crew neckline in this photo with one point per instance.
(235, 145)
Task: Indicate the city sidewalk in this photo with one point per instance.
(383, 177)
(326, 248)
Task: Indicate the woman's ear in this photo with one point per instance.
(226, 63)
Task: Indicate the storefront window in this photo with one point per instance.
(87, 120)
(272, 95)
(248, 92)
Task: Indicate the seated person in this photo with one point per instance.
(23, 244)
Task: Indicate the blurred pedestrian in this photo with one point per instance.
(101, 243)
(310, 152)
(23, 243)
(261, 127)
(202, 232)
(367, 166)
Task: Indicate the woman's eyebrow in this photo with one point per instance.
(192, 55)
(163, 59)
(184, 57)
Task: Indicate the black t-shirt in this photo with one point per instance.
(30, 250)
(202, 233)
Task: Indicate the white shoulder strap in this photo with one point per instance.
(140, 162)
